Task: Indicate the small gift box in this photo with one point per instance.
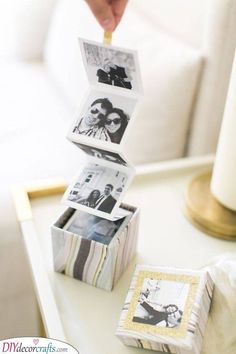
(166, 309)
(93, 249)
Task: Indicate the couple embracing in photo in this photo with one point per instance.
(102, 121)
(100, 201)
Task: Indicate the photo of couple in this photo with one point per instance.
(98, 189)
(102, 121)
(113, 66)
(112, 74)
(102, 201)
(161, 303)
(96, 199)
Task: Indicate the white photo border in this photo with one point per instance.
(120, 156)
(129, 171)
(90, 141)
(138, 92)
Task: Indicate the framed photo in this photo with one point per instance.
(98, 189)
(111, 66)
(103, 119)
(162, 301)
(166, 309)
(102, 154)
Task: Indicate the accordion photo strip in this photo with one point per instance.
(95, 238)
(102, 126)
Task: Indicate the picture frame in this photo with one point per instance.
(166, 309)
(159, 320)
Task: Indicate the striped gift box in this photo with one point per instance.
(166, 309)
(90, 261)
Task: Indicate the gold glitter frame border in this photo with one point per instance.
(181, 331)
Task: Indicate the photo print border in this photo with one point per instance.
(179, 331)
(95, 128)
(130, 60)
(106, 155)
(127, 171)
(97, 133)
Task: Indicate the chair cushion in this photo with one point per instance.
(170, 74)
(34, 126)
(183, 18)
(23, 27)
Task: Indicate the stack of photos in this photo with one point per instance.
(166, 309)
(94, 228)
(101, 127)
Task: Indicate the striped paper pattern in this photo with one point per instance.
(90, 261)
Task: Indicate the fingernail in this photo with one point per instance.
(107, 24)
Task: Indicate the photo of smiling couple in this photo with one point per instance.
(102, 121)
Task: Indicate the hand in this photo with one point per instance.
(108, 12)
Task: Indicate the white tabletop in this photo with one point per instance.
(89, 316)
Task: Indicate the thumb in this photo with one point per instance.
(103, 12)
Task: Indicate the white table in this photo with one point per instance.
(86, 317)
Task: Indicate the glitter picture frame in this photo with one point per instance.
(166, 309)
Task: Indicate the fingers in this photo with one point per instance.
(108, 12)
(118, 8)
(102, 10)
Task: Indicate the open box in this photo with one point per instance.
(93, 249)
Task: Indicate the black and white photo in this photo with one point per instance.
(161, 303)
(98, 189)
(112, 66)
(102, 154)
(166, 309)
(93, 227)
(103, 117)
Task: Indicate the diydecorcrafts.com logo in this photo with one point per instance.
(35, 345)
